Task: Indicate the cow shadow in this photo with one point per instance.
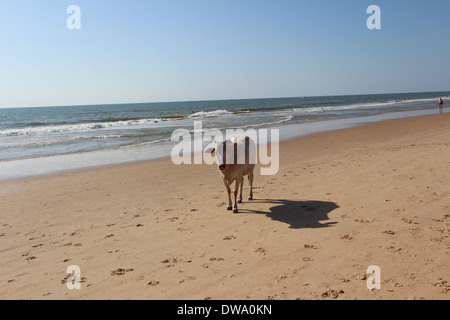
(298, 214)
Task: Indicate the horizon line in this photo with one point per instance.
(228, 99)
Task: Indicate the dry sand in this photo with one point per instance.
(342, 201)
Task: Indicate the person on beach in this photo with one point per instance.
(441, 104)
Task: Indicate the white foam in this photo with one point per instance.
(343, 107)
(210, 114)
(75, 127)
(356, 106)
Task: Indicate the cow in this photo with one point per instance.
(236, 158)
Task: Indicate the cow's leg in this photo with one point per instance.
(230, 205)
(240, 190)
(250, 180)
(236, 189)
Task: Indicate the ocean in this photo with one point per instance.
(50, 139)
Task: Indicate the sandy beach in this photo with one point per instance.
(342, 201)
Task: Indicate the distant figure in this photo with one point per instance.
(441, 104)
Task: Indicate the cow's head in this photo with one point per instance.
(221, 154)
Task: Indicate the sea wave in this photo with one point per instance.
(75, 127)
(323, 109)
(280, 120)
(21, 143)
(269, 124)
(363, 106)
(210, 114)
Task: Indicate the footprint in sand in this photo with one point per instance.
(170, 262)
(260, 250)
(216, 259)
(190, 278)
(71, 276)
(331, 294)
(443, 284)
(29, 258)
(120, 272)
(409, 221)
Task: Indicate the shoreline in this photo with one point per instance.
(343, 200)
(34, 167)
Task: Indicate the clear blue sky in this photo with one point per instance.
(172, 50)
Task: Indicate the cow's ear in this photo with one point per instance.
(211, 150)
